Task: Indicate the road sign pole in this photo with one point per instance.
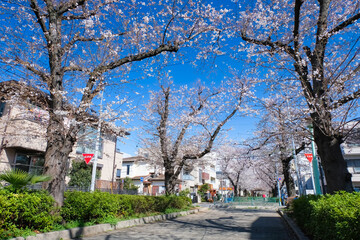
(315, 168)
(97, 146)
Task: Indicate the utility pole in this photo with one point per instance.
(297, 169)
(97, 146)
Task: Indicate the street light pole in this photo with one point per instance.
(297, 170)
(97, 146)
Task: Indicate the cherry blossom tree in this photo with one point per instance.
(72, 49)
(318, 43)
(276, 136)
(183, 123)
(234, 162)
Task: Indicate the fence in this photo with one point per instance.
(255, 201)
(109, 190)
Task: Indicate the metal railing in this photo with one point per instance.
(256, 201)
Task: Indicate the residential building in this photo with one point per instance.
(140, 171)
(23, 125)
(351, 151)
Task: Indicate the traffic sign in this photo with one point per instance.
(141, 179)
(309, 156)
(87, 157)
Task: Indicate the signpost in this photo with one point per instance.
(87, 157)
(309, 157)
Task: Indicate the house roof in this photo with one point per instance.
(138, 177)
(134, 159)
(161, 177)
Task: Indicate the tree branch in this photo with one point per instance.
(298, 4)
(32, 68)
(170, 47)
(185, 127)
(88, 14)
(344, 24)
(297, 151)
(214, 135)
(69, 5)
(78, 38)
(345, 99)
(268, 43)
(73, 68)
(35, 7)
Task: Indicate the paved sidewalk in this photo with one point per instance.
(212, 224)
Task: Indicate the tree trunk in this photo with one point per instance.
(170, 179)
(59, 146)
(335, 168)
(236, 191)
(290, 187)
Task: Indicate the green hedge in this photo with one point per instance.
(26, 210)
(86, 207)
(329, 217)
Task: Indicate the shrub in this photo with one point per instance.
(301, 209)
(143, 204)
(172, 201)
(19, 179)
(329, 217)
(26, 210)
(84, 206)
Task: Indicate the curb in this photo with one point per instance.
(292, 226)
(101, 228)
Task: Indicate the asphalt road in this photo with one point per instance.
(212, 224)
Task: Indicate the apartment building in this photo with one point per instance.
(23, 124)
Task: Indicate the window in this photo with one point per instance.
(87, 141)
(127, 169)
(29, 163)
(354, 164)
(118, 173)
(2, 108)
